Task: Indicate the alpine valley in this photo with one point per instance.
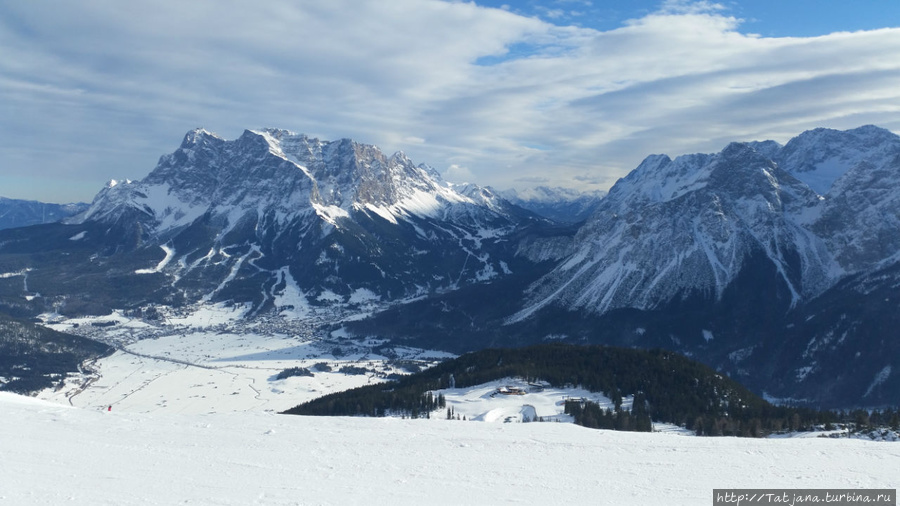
(777, 265)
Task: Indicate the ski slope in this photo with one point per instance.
(193, 422)
(56, 454)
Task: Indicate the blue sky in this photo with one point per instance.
(567, 93)
(769, 18)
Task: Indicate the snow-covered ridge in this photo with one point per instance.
(276, 169)
(822, 156)
(340, 215)
(819, 208)
(546, 194)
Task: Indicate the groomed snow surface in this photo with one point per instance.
(193, 421)
(54, 454)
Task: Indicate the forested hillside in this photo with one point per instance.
(34, 357)
(666, 386)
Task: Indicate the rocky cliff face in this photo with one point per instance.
(273, 217)
(758, 255)
(674, 229)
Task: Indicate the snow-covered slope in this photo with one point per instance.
(277, 173)
(820, 157)
(821, 207)
(487, 403)
(776, 264)
(54, 454)
(274, 212)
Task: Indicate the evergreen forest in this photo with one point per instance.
(667, 387)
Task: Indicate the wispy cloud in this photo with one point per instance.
(99, 89)
(690, 7)
(532, 180)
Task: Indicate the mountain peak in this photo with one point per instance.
(278, 168)
(112, 183)
(198, 136)
(293, 217)
(819, 157)
(739, 150)
(276, 133)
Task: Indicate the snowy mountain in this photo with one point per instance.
(685, 227)
(279, 221)
(757, 231)
(22, 213)
(564, 205)
(776, 264)
(676, 229)
(275, 176)
(822, 156)
(771, 263)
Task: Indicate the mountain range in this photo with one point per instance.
(751, 242)
(22, 213)
(564, 205)
(277, 221)
(775, 264)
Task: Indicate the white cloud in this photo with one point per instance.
(690, 7)
(99, 89)
(457, 174)
(554, 13)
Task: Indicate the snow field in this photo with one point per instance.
(206, 372)
(483, 403)
(192, 422)
(54, 454)
(208, 359)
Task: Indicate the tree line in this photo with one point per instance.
(667, 387)
(33, 357)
